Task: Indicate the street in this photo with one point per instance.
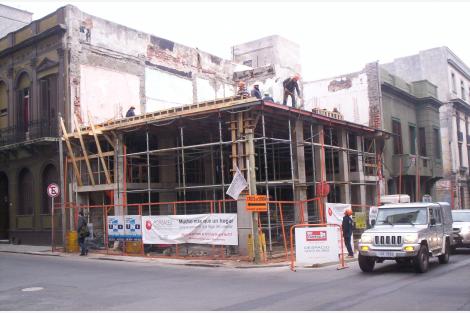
(74, 283)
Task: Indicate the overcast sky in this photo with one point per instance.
(335, 37)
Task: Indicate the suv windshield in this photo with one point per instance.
(461, 216)
(392, 216)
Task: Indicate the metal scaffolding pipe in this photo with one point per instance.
(291, 160)
(266, 180)
(183, 168)
(222, 169)
(149, 195)
(312, 147)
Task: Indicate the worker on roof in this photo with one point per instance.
(130, 112)
(290, 86)
(255, 92)
(267, 97)
(242, 90)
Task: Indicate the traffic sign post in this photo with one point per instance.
(53, 191)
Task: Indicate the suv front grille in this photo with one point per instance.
(391, 240)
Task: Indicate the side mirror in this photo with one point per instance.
(433, 222)
(372, 222)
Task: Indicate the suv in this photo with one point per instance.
(407, 233)
(461, 228)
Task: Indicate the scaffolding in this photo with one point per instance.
(189, 154)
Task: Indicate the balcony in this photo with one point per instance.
(36, 129)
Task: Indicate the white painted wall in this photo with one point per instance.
(164, 90)
(352, 102)
(107, 94)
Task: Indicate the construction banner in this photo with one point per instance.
(213, 229)
(314, 245)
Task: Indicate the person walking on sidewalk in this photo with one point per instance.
(83, 232)
(348, 231)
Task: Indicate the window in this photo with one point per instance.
(48, 104)
(248, 63)
(3, 105)
(422, 141)
(25, 192)
(462, 197)
(397, 142)
(435, 213)
(437, 143)
(460, 154)
(462, 90)
(454, 88)
(23, 102)
(412, 133)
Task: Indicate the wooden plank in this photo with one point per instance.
(100, 153)
(92, 156)
(109, 141)
(69, 148)
(85, 154)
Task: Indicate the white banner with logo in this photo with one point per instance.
(334, 215)
(127, 227)
(115, 227)
(215, 229)
(315, 245)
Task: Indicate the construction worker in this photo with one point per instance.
(83, 232)
(348, 231)
(267, 97)
(290, 86)
(242, 90)
(255, 92)
(130, 112)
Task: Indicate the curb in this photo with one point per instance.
(33, 253)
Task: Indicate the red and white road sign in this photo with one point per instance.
(53, 190)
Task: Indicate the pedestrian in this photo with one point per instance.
(267, 97)
(290, 87)
(255, 92)
(83, 232)
(130, 112)
(348, 231)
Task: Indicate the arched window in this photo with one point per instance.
(23, 107)
(3, 105)
(49, 175)
(25, 193)
(48, 96)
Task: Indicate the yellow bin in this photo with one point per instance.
(72, 242)
(133, 247)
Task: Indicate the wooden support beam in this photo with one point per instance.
(69, 148)
(93, 156)
(85, 154)
(109, 140)
(98, 147)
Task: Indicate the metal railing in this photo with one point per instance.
(35, 129)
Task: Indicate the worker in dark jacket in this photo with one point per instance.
(348, 231)
(290, 87)
(267, 97)
(130, 112)
(82, 230)
(255, 92)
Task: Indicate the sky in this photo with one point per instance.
(335, 37)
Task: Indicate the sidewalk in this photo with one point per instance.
(46, 251)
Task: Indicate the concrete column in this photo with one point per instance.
(300, 187)
(360, 164)
(345, 189)
(118, 176)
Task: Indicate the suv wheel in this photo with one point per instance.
(366, 263)
(421, 261)
(444, 258)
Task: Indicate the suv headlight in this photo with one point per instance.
(410, 238)
(366, 238)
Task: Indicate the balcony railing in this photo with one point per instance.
(36, 129)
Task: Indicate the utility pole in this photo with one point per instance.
(250, 151)
(417, 180)
(62, 184)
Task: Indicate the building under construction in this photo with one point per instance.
(177, 161)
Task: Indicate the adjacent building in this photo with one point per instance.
(408, 111)
(451, 76)
(12, 19)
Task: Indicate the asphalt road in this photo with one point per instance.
(74, 283)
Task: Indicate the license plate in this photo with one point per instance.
(386, 254)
